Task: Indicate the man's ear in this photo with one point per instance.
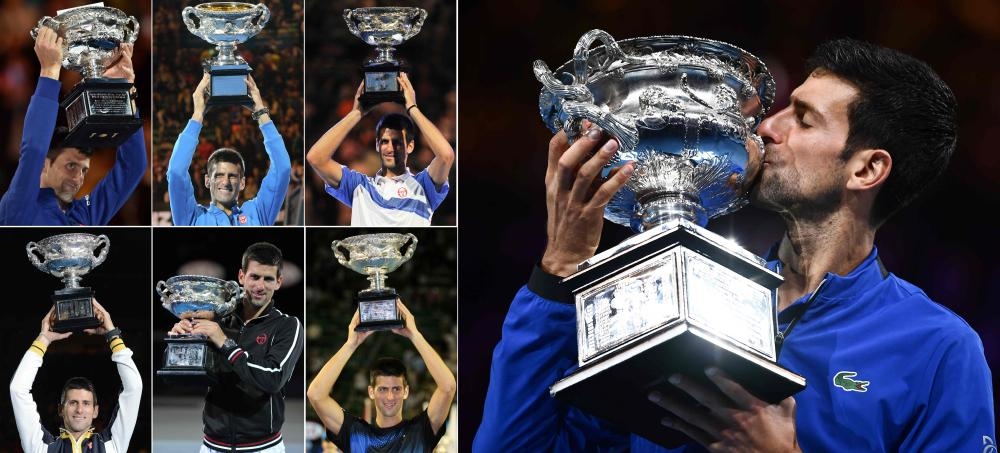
(869, 168)
(371, 392)
(208, 184)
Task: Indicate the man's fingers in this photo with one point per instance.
(705, 395)
(570, 161)
(688, 411)
(614, 183)
(688, 429)
(590, 171)
(735, 392)
(557, 146)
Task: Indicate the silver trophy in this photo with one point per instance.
(194, 297)
(674, 298)
(70, 257)
(226, 24)
(375, 255)
(100, 111)
(384, 28)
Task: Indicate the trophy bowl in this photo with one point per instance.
(377, 253)
(199, 296)
(92, 37)
(684, 109)
(70, 255)
(384, 27)
(226, 24)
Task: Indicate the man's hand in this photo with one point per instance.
(104, 317)
(182, 327)
(46, 335)
(728, 418)
(209, 329)
(355, 338)
(357, 98)
(49, 48)
(409, 324)
(409, 96)
(122, 69)
(576, 195)
(199, 97)
(258, 103)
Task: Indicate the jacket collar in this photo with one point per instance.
(840, 288)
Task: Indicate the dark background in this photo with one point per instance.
(941, 243)
(427, 285)
(334, 60)
(120, 285)
(19, 75)
(275, 57)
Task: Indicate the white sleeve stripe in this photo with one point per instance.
(287, 355)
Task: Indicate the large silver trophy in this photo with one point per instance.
(226, 24)
(674, 298)
(100, 111)
(375, 255)
(189, 356)
(384, 28)
(70, 257)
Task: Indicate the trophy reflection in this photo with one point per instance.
(384, 28)
(226, 24)
(674, 298)
(191, 356)
(100, 111)
(69, 257)
(375, 255)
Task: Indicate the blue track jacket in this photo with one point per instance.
(25, 203)
(924, 382)
(261, 211)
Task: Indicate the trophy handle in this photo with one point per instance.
(102, 240)
(235, 289)
(162, 290)
(582, 52)
(43, 22)
(262, 17)
(351, 26)
(413, 246)
(131, 33)
(335, 245)
(418, 24)
(31, 247)
(190, 18)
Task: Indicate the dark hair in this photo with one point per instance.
(78, 383)
(264, 253)
(903, 107)
(396, 121)
(387, 366)
(225, 155)
(57, 147)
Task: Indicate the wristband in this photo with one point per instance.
(257, 114)
(112, 334)
(410, 107)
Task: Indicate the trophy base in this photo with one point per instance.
(645, 365)
(381, 85)
(378, 311)
(100, 113)
(228, 85)
(187, 360)
(74, 310)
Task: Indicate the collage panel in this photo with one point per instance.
(76, 339)
(228, 339)
(381, 106)
(228, 126)
(75, 113)
(382, 332)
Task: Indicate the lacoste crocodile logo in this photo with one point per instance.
(844, 381)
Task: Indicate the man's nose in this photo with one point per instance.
(770, 129)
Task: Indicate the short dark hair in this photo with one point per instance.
(396, 121)
(57, 147)
(264, 253)
(225, 155)
(78, 383)
(903, 107)
(387, 366)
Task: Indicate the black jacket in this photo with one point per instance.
(246, 405)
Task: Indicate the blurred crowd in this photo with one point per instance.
(19, 75)
(334, 62)
(275, 56)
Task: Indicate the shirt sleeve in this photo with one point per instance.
(17, 204)
(434, 195)
(537, 347)
(127, 412)
(270, 372)
(29, 426)
(958, 415)
(275, 183)
(343, 438)
(348, 182)
(183, 205)
(115, 188)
